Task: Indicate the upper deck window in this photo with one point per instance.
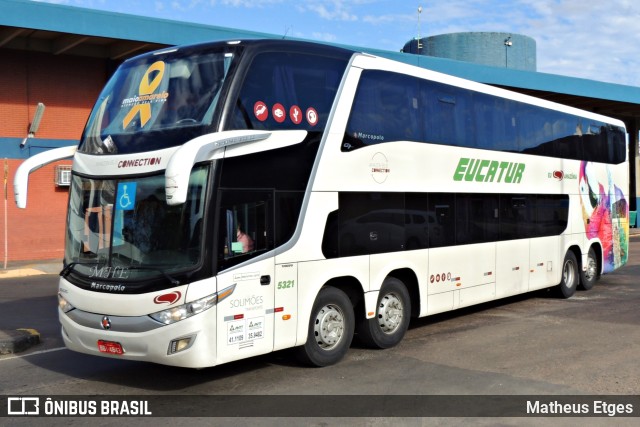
(286, 90)
(392, 107)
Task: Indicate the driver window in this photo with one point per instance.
(245, 225)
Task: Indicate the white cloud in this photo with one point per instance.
(587, 40)
(79, 3)
(332, 14)
(332, 10)
(387, 19)
(248, 3)
(326, 37)
(178, 5)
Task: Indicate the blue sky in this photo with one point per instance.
(592, 39)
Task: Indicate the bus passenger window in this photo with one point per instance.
(386, 108)
(517, 216)
(552, 213)
(443, 207)
(476, 218)
(420, 223)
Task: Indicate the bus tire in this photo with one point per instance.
(589, 275)
(570, 275)
(391, 321)
(331, 329)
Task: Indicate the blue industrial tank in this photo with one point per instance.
(495, 49)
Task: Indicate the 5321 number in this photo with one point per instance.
(285, 284)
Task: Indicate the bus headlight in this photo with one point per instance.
(63, 304)
(184, 311)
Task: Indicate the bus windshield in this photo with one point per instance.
(123, 228)
(156, 96)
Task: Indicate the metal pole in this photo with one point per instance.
(419, 46)
(6, 237)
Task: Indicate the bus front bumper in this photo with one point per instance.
(185, 343)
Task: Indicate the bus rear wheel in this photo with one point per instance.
(569, 281)
(391, 320)
(331, 329)
(589, 275)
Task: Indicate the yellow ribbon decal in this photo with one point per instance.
(146, 88)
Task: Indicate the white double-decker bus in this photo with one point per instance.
(236, 198)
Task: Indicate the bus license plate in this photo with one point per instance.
(110, 347)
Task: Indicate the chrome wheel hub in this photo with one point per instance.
(390, 313)
(329, 327)
(568, 274)
(592, 267)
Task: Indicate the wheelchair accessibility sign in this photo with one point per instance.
(126, 196)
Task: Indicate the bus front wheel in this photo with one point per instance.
(570, 274)
(331, 329)
(391, 321)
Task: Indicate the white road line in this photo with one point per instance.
(2, 359)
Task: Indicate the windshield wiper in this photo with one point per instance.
(173, 281)
(67, 268)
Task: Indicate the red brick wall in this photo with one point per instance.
(37, 232)
(68, 86)
(14, 111)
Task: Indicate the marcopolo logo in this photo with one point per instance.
(170, 298)
(481, 170)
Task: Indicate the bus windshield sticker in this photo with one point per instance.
(109, 145)
(255, 328)
(312, 116)
(235, 332)
(296, 114)
(126, 196)
(141, 103)
(261, 111)
(279, 113)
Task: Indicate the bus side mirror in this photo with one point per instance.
(205, 147)
(32, 164)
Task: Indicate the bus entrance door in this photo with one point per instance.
(245, 318)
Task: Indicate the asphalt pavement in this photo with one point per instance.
(18, 340)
